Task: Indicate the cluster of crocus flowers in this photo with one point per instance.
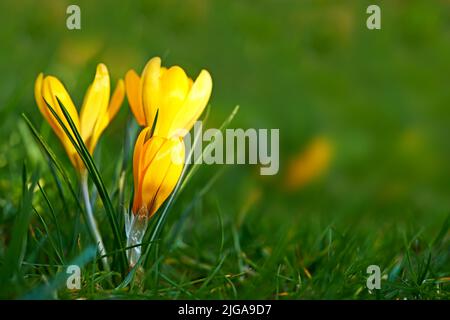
(166, 102)
(169, 93)
(97, 110)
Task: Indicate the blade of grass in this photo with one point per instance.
(15, 252)
(443, 232)
(214, 272)
(127, 151)
(196, 164)
(55, 220)
(50, 238)
(178, 226)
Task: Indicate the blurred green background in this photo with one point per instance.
(380, 99)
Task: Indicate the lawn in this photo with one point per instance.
(364, 151)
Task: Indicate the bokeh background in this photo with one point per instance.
(363, 118)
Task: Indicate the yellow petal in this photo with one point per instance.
(113, 108)
(174, 87)
(137, 156)
(150, 87)
(173, 173)
(162, 174)
(42, 105)
(116, 99)
(52, 89)
(134, 95)
(95, 104)
(148, 152)
(38, 95)
(38, 89)
(193, 106)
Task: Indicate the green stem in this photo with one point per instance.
(91, 221)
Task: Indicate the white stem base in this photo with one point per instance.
(135, 227)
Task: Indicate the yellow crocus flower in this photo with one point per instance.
(178, 100)
(157, 166)
(96, 112)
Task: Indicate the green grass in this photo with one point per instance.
(308, 68)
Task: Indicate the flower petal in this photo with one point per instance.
(149, 150)
(42, 105)
(134, 95)
(137, 156)
(38, 89)
(174, 87)
(116, 99)
(162, 174)
(95, 104)
(52, 88)
(113, 108)
(150, 87)
(193, 106)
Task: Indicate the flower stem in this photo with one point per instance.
(91, 221)
(135, 227)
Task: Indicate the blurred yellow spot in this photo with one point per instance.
(78, 52)
(170, 261)
(412, 141)
(283, 294)
(309, 164)
(308, 274)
